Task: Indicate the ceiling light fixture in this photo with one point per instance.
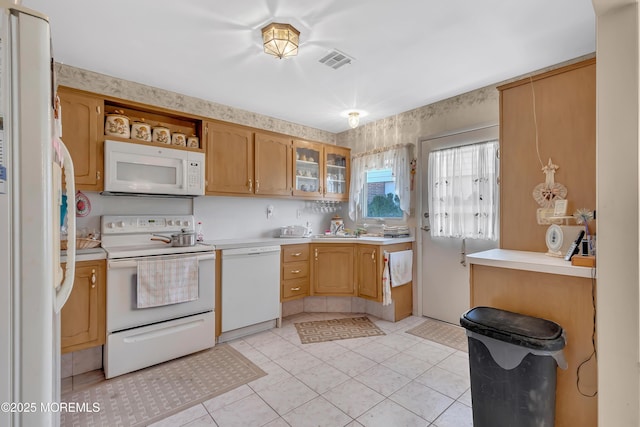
(354, 119)
(280, 40)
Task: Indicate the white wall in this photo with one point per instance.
(222, 217)
(246, 217)
(125, 205)
(617, 213)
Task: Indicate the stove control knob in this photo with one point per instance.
(186, 223)
(121, 224)
(170, 222)
(111, 225)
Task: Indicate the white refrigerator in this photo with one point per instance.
(32, 291)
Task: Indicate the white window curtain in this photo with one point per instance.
(463, 191)
(397, 158)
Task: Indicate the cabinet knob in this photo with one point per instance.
(316, 253)
(295, 271)
(296, 289)
(93, 278)
(297, 254)
(373, 255)
(98, 175)
(250, 185)
(257, 185)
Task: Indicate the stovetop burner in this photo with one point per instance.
(125, 236)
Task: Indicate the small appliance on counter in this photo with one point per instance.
(296, 231)
(337, 225)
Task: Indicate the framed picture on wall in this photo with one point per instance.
(560, 207)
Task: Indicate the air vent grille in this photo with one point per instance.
(335, 59)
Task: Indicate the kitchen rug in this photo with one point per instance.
(336, 329)
(151, 394)
(443, 333)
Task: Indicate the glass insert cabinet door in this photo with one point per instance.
(308, 169)
(336, 162)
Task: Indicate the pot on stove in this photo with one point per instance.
(185, 238)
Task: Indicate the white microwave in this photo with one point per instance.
(143, 169)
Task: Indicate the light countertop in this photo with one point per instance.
(99, 253)
(276, 241)
(85, 254)
(529, 261)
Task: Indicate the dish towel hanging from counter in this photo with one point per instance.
(386, 282)
(400, 267)
(166, 281)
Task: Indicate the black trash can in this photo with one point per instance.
(512, 361)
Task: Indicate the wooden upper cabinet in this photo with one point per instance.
(82, 117)
(272, 165)
(321, 171)
(337, 167)
(83, 321)
(229, 159)
(308, 159)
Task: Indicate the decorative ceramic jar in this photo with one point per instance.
(117, 124)
(141, 131)
(179, 139)
(161, 134)
(193, 142)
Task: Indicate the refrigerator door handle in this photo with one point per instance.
(66, 287)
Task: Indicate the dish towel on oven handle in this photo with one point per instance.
(401, 267)
(164, 281)
(386, 285)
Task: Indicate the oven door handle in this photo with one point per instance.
(133, 263)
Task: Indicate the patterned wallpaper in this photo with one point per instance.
(105, 85)
(470, 109)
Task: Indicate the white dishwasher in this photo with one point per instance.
(250, 290)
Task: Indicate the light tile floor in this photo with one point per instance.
(393, 380)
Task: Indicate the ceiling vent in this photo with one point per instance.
(335, 59)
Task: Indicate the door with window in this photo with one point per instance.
(459, 215)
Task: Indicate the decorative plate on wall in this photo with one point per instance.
(83, 205)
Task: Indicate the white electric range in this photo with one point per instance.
(139, 335)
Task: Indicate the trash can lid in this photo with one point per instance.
(514, 328)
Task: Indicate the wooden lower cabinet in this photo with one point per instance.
(337, 269)
(370, 265)
(333, 269)
(294, 276)
(369, 272)
(83, 317)
(566, 300)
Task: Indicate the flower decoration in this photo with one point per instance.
(582, 217)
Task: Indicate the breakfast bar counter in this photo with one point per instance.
(550, 288)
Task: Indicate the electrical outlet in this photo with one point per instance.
(299, 213)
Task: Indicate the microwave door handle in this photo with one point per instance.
(69, 274)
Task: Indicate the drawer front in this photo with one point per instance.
(295, 270)
(292, 253)
(295, 288)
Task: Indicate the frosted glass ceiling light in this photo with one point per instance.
(280, 40)
(354, 119)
